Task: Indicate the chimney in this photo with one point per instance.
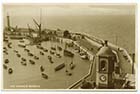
(106, 43)
(8, 22)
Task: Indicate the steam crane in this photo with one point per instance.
(39, 28)
(30, 31)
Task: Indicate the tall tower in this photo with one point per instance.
(8, 22)
(105, 60)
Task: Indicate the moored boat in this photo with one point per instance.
(41, 53)
(72, 66)
(68, 53)
(45, 50)
(6, 61)
(59, 67)
(18, 55)
(16, 37)
(23, 63)
(59, 48)
(44, 75)
(23, 59)
(5, 66)
(23, 46)
(42, 68)
(53, 48)
(32, 62)
(10, 70)
(30, 54)
(35, 57)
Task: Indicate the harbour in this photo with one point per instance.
(32, 72)
(43, 58)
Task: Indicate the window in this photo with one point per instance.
(103, 65)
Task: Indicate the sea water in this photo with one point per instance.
(118, 29)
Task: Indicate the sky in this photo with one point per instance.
(22, 14)
(67, 9)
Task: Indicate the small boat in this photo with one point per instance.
(32, 62)
(66, 71)
(53, 48)
(18, 55)
(125, 56)
(72, 66)
(59, 67)
(24, 63)
(27, 50)
(45, 50)
(5, 48)
(23, 59)
(10, 70)
(44, 75)
(9, 45)
(68, 53)
(41, 48)
(49, 57)
(41, 53)
(15, 51)
(5, 40)
(38, 46)
(30, 54)
(42, 69)
(51, 61)
(5, 66)
(6, 61)
(59, 48)
(23, 46)
(35, 57)
(58, 55)
(51, 52)
(5, 52)
(69, 74)
(16, 37)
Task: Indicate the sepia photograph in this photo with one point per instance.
(69, 46)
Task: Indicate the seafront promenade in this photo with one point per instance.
(124, 58)
(126, 64)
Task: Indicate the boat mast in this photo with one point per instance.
(40, 24)
(116, 39)
(40, 15)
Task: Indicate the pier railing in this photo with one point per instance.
(114, 47)
(78, 83)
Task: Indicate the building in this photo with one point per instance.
(105, 73)
(105, 67)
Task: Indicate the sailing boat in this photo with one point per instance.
(72, 66)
